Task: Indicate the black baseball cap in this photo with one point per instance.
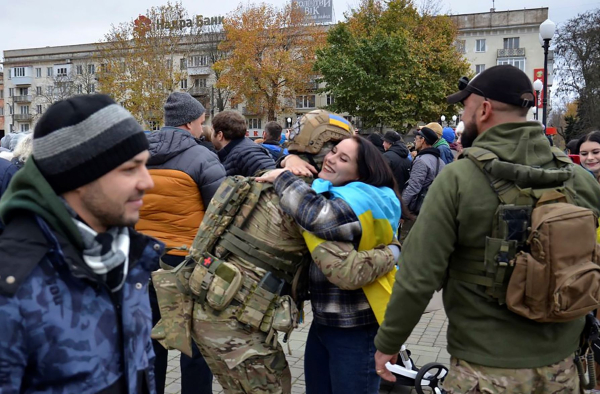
(391, 137)
(505, 83)
(428, 134)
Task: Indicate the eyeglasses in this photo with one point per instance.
(463, 83)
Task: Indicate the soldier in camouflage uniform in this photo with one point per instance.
(247, 273)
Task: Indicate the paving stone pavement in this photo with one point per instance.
(427, 343)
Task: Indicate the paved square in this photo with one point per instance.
(427, 343)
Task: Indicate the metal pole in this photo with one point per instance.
(545, 100)
(537, 106)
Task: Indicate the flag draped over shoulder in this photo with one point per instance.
(378, 210)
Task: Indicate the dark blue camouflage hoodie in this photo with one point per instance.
(61, 329)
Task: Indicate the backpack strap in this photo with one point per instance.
(507, 191)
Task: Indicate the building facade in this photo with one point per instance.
(35, 78)
(505, 37)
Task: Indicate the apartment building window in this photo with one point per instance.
(38, 72)
(11, 92)
(518, 62)
(480, 45)
(9, 73)
(305, 101)
(461, 46)
(24, 126)
(183, 64)
(183, 84)
(10, 110)
(79, 69)
(49, 71)
(92, 88)
(1, 111)
(91, 69)
(50, 90)
(39, 109)
(1, 94)
(19, 71)
(169, 64)
(479, 68)
(200, 82)
(38, 90)
(330, 99)
(511, 43)
(199, 60)
(24, 109)
(255, 123)
(80, 89)
(12, 128)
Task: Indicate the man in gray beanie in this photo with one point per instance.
(74, 274)
(186, 175)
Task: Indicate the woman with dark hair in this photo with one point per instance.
(354, 200)
(588, 147)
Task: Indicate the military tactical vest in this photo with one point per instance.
(542, 257)
(248, 261)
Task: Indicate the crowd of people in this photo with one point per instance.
(118, 245)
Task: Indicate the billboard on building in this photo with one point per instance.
(319, 11)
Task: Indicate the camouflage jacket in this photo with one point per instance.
(62, 329)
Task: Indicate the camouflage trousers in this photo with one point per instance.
(472, 378)
(240, 359)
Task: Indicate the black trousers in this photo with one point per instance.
(196, 377)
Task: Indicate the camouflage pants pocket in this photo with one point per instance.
(270, 374)
(174, 329)
(472, 378)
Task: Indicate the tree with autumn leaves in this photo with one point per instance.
(391, 65)
(137, 62)
(270, 56)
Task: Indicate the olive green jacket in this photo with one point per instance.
(456, 217)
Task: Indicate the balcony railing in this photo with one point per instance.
(22, 99)
(248, 111)
(199, 70)
(19, 81)
(199, 91)
(514, 52)
(23, 117)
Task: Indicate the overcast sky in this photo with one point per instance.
(40, 23)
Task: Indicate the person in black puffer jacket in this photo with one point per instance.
(396, 155)
(239, 155)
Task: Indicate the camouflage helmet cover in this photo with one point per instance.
(316, 128)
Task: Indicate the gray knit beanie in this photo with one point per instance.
(80, 139)
(181, 108)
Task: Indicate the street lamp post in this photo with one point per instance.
(547, 29)
(442, 118)
(537, 86)
(288, 122)
(454, 117)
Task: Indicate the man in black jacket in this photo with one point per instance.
(239, 155)
(397, 156)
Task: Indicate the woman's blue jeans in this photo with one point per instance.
(341, 360)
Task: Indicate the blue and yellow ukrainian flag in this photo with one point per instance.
(378, 210)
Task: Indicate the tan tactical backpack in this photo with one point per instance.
(542, 259)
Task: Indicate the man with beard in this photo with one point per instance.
(74, 274)
(493, 349)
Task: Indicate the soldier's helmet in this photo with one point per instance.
(315, 129)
